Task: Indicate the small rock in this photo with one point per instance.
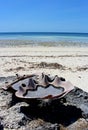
(80, 124)
(41, 125)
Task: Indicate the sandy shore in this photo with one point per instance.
(70, 63)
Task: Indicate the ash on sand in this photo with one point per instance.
(68, 113)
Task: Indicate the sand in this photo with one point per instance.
(68, 62)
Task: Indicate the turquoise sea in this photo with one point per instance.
(44, 38)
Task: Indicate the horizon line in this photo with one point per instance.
(41, 32)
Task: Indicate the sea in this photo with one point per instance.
(43, 39)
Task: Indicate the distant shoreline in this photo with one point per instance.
(24, 43)
(43, 39)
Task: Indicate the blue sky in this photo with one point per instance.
(44, 15)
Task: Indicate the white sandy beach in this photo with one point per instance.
(70, 63)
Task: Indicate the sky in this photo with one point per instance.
(44, 16)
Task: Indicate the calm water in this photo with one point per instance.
(44, 38)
